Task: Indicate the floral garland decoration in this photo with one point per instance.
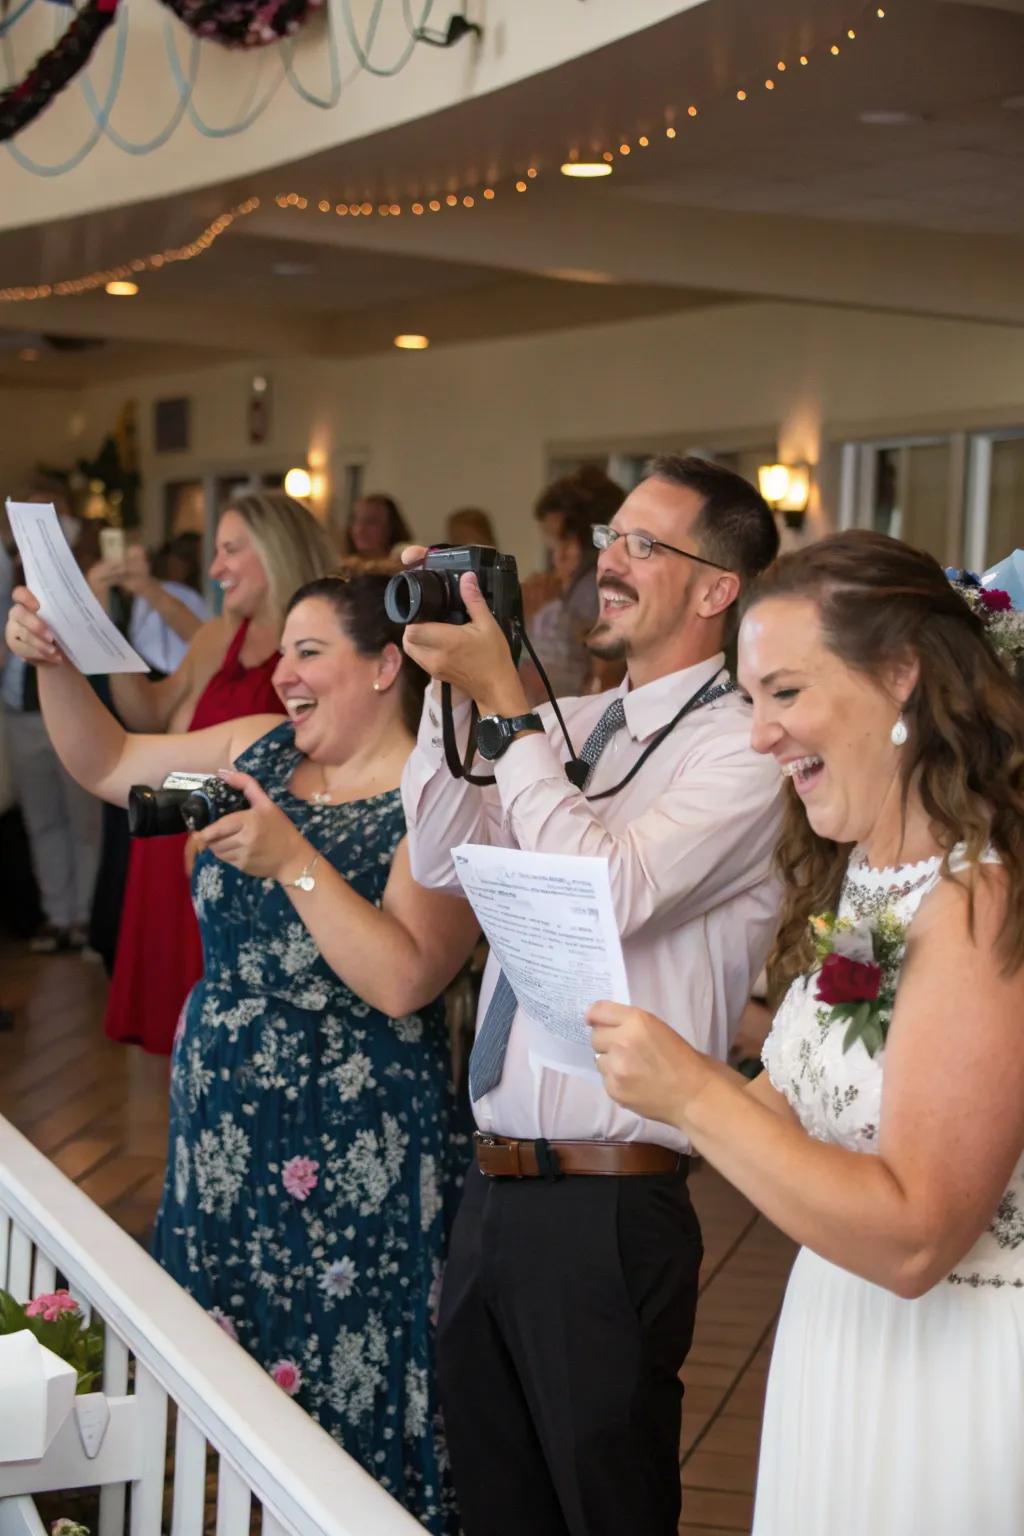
(243, 23)
(20, 104)
(858, 966)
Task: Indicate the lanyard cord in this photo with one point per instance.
(706, 694)
(576, 770)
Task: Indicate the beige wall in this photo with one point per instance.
(521, 38)
(477, 424)
(38, 426)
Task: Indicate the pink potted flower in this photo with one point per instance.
(52, 1306)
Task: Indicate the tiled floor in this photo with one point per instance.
(100, 1111)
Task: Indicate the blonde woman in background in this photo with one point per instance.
(268, 545)
(470, 525)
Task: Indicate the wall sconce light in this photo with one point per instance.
(786, 488)
(298, 483)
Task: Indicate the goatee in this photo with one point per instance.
(604, 646)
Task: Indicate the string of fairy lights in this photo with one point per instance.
(674, 121)
(125, 273)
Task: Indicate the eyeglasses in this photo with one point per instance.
(640, 546)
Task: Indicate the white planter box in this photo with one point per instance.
(37, 1390)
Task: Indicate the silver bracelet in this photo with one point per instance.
(303, 881)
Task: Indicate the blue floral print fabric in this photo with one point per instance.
(315, 1154)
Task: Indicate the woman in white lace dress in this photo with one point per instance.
(886, 1135)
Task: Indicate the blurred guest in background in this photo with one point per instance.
(375, 527)
(62, 820)
(470, 525)
(159, 608)
(561, 603)
(167, 606)
(267, 546)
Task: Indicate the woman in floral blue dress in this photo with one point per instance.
(314, 1144)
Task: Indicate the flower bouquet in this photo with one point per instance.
(858, 965)
(997, 598)
(56, 1320)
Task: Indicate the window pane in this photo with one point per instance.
(1006, 500)
(912, 495)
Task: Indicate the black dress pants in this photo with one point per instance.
(566, 1314)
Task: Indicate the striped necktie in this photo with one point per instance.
(487, 1058)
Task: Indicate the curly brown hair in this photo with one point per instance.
(879, 602)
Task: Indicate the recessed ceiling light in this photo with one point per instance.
(292, 269)
(586, 168)
(411, 343)
(122, 290)
(884, 117)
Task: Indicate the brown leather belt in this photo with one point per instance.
(502, 1157)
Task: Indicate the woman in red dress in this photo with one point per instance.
(267, 546)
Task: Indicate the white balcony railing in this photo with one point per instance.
(163, 1352)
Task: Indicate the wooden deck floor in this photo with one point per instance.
(100, 1111)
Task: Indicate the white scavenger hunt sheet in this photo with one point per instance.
(550, 921)
(83, 630)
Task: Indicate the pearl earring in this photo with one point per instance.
(376, 687)
(899, 733)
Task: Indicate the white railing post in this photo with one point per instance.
(234, 1502)
(159, 1340)
(115, 1384)
(44, 1275)
(148, 1489)
(19, 1266)
(189, 1478)
(19, 1517)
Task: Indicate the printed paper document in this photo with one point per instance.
(550, 922)
(84, 632)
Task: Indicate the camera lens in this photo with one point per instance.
(142, 811)
(416, 597)
(154, 812)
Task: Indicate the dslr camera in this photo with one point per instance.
(185, 802)
(430, 594)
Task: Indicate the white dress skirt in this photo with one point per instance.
(888, 1417)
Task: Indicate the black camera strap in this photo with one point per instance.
(707, 693)
(459, 768)
(576, 770)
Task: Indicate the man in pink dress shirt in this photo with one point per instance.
(569, 1298)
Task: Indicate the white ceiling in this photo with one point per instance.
(795, 170)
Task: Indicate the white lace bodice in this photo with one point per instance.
(837, 1095)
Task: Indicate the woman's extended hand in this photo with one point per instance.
(132, 574)
(29, 636)
(646, 1066)
(260, 841)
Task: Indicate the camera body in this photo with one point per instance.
(185, 802)
(430, 594)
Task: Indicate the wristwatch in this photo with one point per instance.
(495, 733)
